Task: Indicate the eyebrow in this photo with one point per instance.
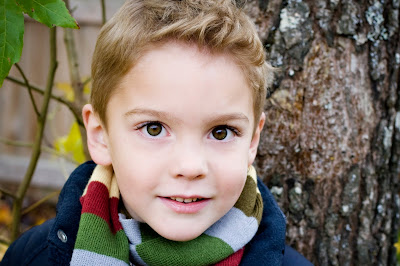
(229, 117)
(144, 111)
(165, 116)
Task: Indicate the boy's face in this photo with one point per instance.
(180, 127)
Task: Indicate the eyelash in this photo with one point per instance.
(142, 125)
(233, 129)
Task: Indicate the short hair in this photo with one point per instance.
(219, 26)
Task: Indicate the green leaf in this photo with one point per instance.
(11, 36)
(49, 12)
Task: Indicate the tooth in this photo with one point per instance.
(179, 199)
(188, 200)
(194, 199)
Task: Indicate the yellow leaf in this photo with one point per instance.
(5, 214)
(397, 245)
(71, 144)
(67, 89)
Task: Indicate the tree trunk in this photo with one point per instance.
(330, 148)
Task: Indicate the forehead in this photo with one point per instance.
(180, 71)
(174, 52)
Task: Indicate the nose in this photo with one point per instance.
(189, 161)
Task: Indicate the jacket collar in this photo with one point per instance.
(268, 245)
(62, 235)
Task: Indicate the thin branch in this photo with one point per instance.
(5, 241)
(29, 89)
(7, 192)
(70, 105)
(16, 143)
(17, 204)
(73, 63)
(59, 154)
(44, 148)
(103, 12)
(76, 81)
(86, 81)
(40, 202)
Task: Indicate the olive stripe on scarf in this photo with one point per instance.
(105, 238)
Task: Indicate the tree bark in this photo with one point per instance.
(330, 148)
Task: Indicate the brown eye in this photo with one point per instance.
(220, 133)
(154, 129)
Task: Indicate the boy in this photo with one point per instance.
(173, 129)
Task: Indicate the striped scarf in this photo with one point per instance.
(106, 237)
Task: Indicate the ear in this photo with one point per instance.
(256, 139)
(96, 136)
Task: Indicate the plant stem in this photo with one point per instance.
(86, 81)
(75, 78)
(23, 187)
(4, 241)
(29, 89)
(71, 106)
(7, 192)
(44, 148)
(41, 201)
(103, 12)
(16, 143)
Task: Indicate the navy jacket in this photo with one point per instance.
(52, 242)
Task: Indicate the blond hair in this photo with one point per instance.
(217, 25)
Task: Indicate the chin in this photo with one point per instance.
(179, 235)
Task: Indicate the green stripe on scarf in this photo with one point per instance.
(185, 253)
(102, 241)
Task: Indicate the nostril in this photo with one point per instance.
(185, 163)
(190, 176)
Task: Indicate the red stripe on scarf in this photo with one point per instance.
(97, 202)
(233, 259)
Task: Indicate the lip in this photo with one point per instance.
(185, 208)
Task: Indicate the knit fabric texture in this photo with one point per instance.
(106, 237)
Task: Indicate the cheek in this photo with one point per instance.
(135, 170)
(232, 183)
(232, 170)
(126, 154)
(133, 173)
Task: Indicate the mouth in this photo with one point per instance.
(185, 200)
(186, 205)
